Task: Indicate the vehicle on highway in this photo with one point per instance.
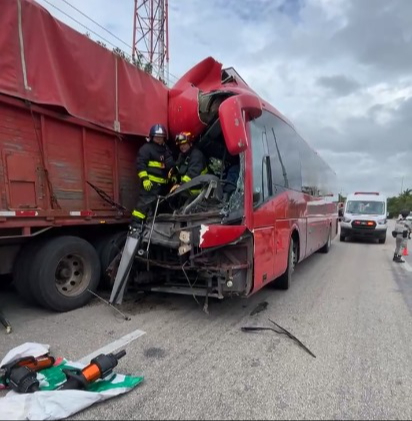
(365, 215)
(281, 207)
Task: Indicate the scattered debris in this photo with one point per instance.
(127, 318)
(282, 331)
(5, 323)
(259, 308)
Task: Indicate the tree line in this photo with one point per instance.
(397, 204)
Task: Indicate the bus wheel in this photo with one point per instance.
(325, 249)
(63, 271)
(284, 281)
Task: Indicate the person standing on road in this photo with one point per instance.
(403, 229)
(154, 161)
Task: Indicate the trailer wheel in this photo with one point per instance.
(22, 269)
(285, 280)
(63, 271)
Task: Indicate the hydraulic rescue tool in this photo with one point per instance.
(20, 374)
(99, 368)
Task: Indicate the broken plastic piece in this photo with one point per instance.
(281, 332)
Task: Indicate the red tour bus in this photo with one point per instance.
(265, 205)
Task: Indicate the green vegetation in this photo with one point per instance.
(398, 203)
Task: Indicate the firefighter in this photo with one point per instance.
(190, 163)
(154, 162)
(402, 233)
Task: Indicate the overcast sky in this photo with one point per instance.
(340, 70)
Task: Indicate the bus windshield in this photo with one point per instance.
(365, 207)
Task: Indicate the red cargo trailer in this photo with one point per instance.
(72, 117)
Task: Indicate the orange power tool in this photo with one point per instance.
(99, 368)
(33, 364)
(20, 374)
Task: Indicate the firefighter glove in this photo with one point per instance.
(147, 184)
(176, 186)
(172, 175)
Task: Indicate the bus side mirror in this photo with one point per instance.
(232, 114)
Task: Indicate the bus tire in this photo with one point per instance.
(342, 238)
(325, 249)
(62, 272)
(284, 281)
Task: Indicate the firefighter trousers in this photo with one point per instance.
(146, 201)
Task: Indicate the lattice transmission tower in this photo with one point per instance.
(151, 36)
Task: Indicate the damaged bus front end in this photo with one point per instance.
(201, 244)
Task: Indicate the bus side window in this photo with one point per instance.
(261, 189)
(284, 152)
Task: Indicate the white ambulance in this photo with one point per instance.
(365, 215)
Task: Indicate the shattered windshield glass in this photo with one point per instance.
(235, 204)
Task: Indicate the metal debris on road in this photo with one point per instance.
(282, 331)
(259, 308)
(127, 318)
(5, 323)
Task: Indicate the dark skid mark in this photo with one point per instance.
(157, 353)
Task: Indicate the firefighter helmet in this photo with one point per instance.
(157, 130)
(184, 137)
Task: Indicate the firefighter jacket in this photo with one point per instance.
(154, 162)
(191, 164)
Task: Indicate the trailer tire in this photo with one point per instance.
(22, 269)
(63, 271)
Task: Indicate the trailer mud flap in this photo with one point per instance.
(125, 266)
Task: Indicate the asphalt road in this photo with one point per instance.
(352, 308)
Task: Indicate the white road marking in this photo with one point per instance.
(407, 266)
(113, 346)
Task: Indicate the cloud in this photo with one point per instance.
(338, 84)
(340, 70)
